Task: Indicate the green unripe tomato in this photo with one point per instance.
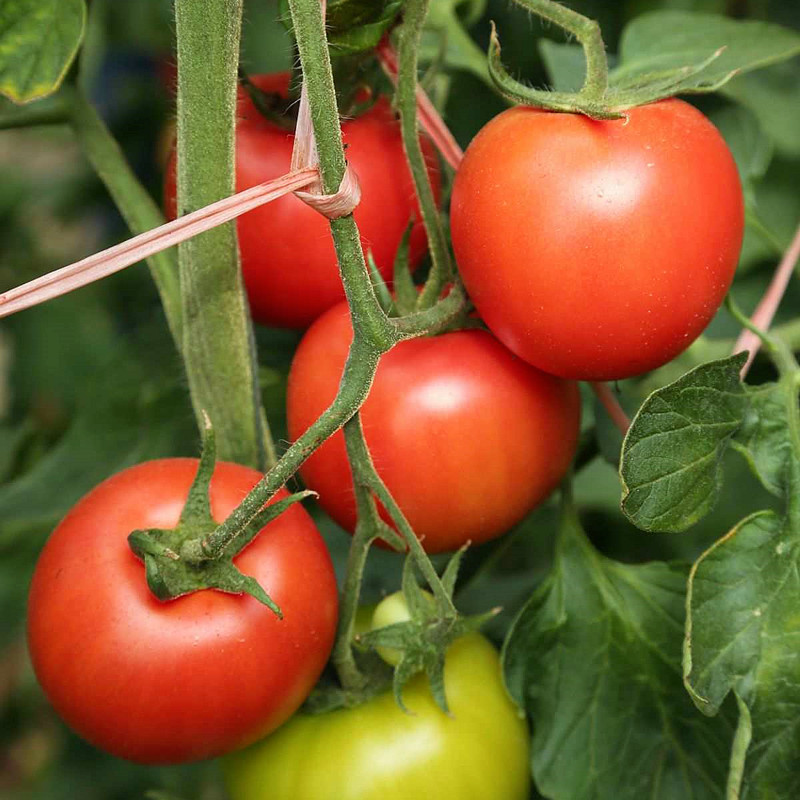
(377, 752)
(391, 610)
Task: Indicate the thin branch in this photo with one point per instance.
(611, 404)
(430, 119)
(765, 311)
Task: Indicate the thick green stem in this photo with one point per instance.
(408, 47)
(217, 334)
(357, 378)
(134, 203)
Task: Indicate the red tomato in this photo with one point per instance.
(467, 437)
(598, 250)
(193, 677)
(288, 259)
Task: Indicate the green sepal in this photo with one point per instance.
(197, 510)
(170, 576)
(354, 26)
(379, 284)
(280, 110)
(263, 518)
(406, 294)
(177, 561)
(423, 640)
(518, 92)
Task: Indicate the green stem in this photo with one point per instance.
(357, 378)
(767, 340)
(406, 98)
(591, 99)
(52, 111)
(217, 333)
(587, 32)
(309, 30)
(364, 474)
(344, 661)
(134, 203)
(373, 332)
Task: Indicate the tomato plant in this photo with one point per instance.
(193, 677)
(375, 751)
(598, 249)
(288, 258)
(596, 238)
(467, 437)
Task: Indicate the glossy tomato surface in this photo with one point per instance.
(377, 752)
(288, 259)
(467, 437)
(598, 249)
(194, 677)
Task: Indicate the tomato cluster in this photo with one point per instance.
(593, 250)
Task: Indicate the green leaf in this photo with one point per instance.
(126, 424)
(742, 637)
(565, 64)
(354, 26)
(751, 147)
(763, 438)
(773, 95)
(663, 43)
(594, 657)
(670, 465)
(38, 42)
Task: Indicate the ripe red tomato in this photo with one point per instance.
(188, 679)
(467, 437)
(288, 259)
(593, 249)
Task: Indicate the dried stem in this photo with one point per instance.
(765, 310)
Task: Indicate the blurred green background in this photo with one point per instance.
(90, 383)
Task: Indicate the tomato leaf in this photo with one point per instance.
(670, 465)
(131, 423)
(565, 64)
(680, 46)
(38, 41)
(751, 147)
(742, 635)
(594, 657)
(762, 439)
(773, 95)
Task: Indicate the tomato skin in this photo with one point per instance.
(194, 677)
(467, 437)
(376, 752)
(288, 259)
(598, 250)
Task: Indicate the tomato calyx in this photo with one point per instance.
(604, 95)
(176, 559)
(277, 107)
(405, 298)
(423, 631)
